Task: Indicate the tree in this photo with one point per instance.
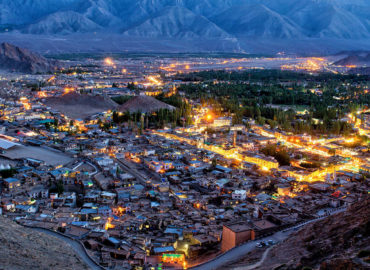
(115, 117)
(131, 86)
(279, 153)
(60, 187)
(214, 162)
(141, 124)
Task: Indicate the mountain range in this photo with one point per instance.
(228, 21)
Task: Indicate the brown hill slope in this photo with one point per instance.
(75, 105)
(17, 59)
(144, 104)
(355, 59)
(332, 243)
(25, 249)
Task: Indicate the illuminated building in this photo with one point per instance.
(262, 162)
(152, 93)
(222, 122)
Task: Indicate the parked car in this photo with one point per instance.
(271, 242)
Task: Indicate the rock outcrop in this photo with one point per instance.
(13, 58)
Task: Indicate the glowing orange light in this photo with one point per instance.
(41, 94)
(51, 78)
(124, 70)
(108, 61)
(25, 103)
(68, 90)
(154, 80)
(187, 67)
(108, 224)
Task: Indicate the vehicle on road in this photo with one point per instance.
(271, 242)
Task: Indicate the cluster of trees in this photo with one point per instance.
(8, 173)
(121, 99)
(278, 152)
(271, 75)
(178, 117)
(272, 97)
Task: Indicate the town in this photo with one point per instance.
(155, 163)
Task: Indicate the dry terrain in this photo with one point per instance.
(341, 241)
(144, 104)
(23, 248)
(75, 105)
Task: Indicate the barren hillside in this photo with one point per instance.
(23, 248)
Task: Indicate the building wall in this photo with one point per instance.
(231, 239)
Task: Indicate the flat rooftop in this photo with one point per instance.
(264, 224)
(50, 157)
(239, 227)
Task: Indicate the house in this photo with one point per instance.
(163, 250)
(76, 231)
(235, 234)
(195, 163)
(12, 183)
(103, 161)
(222, 121)
(223, 169)
(39, 192)
(263, 227)
(7, 206)
(239, 195)
(26, 208)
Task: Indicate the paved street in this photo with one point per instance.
(128, 167)
(240, 252)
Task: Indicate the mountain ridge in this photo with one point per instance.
(190, 20)
(114, 15)
(13, 58)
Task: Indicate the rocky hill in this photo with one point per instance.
(16, 59)
(144, 104)
(25, 249)
(341, 241)
(76, 105)
(355, 59)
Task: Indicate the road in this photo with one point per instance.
(238, 252)
(257, 264)
(77, 247)
(241, 251)
(128, 167)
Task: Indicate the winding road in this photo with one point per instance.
(257, 264)
(77, 247)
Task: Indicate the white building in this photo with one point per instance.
(239, 195)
